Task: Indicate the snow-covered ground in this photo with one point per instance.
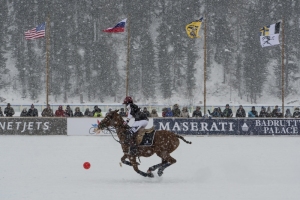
(217, 168)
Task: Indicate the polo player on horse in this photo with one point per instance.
(141, 120)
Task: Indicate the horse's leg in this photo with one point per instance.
(167, 161)
(124, 161)
(154, 167)
(135, 167)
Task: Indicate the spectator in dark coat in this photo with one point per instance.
(78, 113)
(23, 113)
(47, 112)
(263, 112)
(153, 113)
(109, 110)
(278, 113)
(197, 112)
(240, 112)
(122, 112)
(68, 112)
(9, 111)
(1, 113)
(296, 113)
(275, 111)
(216, 113)
(60, 112)
(98, 113)
(32, 112)
(95, 110)
(88, 113)
(227, 111)
(253, 112)
(164, 111)
(146, 112)
(176, 111)
(288, 113)
(169, 113)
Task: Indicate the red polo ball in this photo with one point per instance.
(86, 165)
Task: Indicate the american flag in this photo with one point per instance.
(35, 33)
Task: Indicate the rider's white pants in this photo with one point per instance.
(138, 124)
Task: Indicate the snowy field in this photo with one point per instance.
(217, 168)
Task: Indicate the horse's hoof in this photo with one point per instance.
(160, 172)
(150, 175)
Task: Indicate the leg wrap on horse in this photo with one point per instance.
(162, 168)
(145, 174)
(154, 167)
(126, 162)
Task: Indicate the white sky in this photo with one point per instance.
(212, 168)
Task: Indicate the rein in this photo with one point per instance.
(110, 131)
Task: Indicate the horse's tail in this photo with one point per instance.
(180, 137)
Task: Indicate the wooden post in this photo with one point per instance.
(282, 67)
(47, 58)
(127, 61)
(204, 71)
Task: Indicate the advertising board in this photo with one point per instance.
(33, 126)
(229, 126)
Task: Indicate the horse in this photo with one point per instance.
(164, 143)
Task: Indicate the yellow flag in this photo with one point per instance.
(193, 28)
(264, 31)
(270, 30)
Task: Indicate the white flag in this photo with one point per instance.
(269, 35)
(269, 40)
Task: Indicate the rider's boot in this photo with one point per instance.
(133, 150)
(132, 143)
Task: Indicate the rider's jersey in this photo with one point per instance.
(135, 112)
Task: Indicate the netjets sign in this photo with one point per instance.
(33, 126)
(233, 126)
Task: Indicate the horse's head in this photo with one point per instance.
(111, 119)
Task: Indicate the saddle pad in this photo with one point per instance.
(148, 139)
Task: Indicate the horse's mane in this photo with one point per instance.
(117, 113)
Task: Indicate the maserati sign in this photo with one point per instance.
(229, 126)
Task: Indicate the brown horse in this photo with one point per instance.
(164, 143)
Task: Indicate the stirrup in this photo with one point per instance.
(133, 151)
(129, 133)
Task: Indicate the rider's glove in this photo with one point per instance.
(126, 122)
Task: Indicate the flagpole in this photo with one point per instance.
(204, 71)
(47, 58)
(282, 68)
(128, 50)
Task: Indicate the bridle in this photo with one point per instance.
(110, 119)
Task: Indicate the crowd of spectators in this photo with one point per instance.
(227, 112)
(175, 111)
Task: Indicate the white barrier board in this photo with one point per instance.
(86, 126)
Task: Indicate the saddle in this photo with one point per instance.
(145, 136)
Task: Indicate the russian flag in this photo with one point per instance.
(120, 27)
